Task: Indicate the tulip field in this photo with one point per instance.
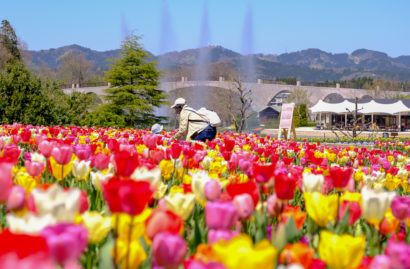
(74, 197)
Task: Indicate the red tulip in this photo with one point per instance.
(125, 163)
(229, 144)
(340, 176)
(355, 212)
(250, 187)
(263, 173)
(127, 196)
(6, 180)
(101, 161)
(22, 245)
(163, 221)
(11, 153)
(83, 202)
(176, 150)
(285, 185)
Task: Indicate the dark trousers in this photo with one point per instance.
(208, 133)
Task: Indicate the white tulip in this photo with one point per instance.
(153, 176)
(375, 203)
(98, 178)
(81, 169)
(29, 223)
(199, 180)
(312, 182)
(63, 205)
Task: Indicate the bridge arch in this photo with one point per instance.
(333, 97)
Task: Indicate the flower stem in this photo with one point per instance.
(129, 242)
(117, 219)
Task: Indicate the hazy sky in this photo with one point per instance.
(274, 26)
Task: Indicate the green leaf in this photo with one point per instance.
(292, 233)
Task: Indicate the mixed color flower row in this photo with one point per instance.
(75, 197)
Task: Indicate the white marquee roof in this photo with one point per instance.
(370, 107)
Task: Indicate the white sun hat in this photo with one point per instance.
(179, 101)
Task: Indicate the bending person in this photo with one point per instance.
(192, 125)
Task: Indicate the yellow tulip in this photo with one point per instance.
(341, 251)
(25, 180)
(167, 167)
(321, 208)
(351, 196)
(124, 221)
(160, 191)
(96, 225)
(181, 204)
(392, 182)
(61, 171)
(239, 253)
(136, 255)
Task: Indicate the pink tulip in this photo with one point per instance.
(218, 234)
(220, 215)
(380, 262)
(16, 198)
(244, 205)
(399, 254)
(244, 165)
(401, 207)
(45, 147)
(150, 140)
(83, 152)
(101, 161)
(169, 250)
(212, 190)
(66, 241)
(6, 180)
(34, 168)
(274, 205)
(62, 154)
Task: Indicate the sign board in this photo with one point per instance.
(286, 116)
(286, 120)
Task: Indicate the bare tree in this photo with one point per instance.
(75, 68)
(245, 101)
(299, 96)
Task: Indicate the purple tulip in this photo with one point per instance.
(401, 207)
(220, 215)
(66, 241)
(169, 250)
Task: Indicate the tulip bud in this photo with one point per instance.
(212, 190)
(244, 205)
(16, 198)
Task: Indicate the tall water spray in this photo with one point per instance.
(124, 28)
(166, 44)
(248, 71)
(202, 65)
(166, 41)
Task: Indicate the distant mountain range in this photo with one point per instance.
(311, 65)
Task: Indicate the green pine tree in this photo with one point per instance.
(134, 92)
(8, 39)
